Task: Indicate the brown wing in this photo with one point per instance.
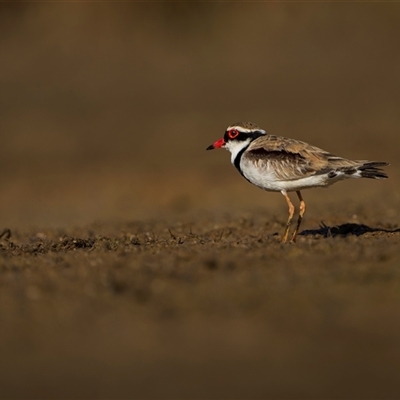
(292, 159)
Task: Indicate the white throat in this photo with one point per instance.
(235, 147)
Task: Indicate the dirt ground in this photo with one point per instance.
(206, 306)
(134, 264)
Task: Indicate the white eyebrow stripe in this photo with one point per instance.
(241, 129)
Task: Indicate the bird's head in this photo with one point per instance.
(238, 136)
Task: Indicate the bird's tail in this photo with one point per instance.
(372, 170)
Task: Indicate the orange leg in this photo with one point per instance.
(301, 213)
(291, 213)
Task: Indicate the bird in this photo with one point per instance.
(280, 164)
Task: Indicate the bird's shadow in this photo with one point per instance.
(349, 229)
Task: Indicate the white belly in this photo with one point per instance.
(265, 178)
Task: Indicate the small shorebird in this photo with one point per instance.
(279, 164)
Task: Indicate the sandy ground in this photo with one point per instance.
(138, 265)
(205, 305)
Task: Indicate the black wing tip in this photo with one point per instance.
(375, 164)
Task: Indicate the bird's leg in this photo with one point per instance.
(291, 213)
(301, 213)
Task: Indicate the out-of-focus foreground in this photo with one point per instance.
(141, 266)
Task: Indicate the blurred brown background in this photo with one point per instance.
(141, 265)
(107, 108)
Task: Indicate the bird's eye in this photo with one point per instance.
(232, 134)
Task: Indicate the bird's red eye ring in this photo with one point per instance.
(233, 133)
